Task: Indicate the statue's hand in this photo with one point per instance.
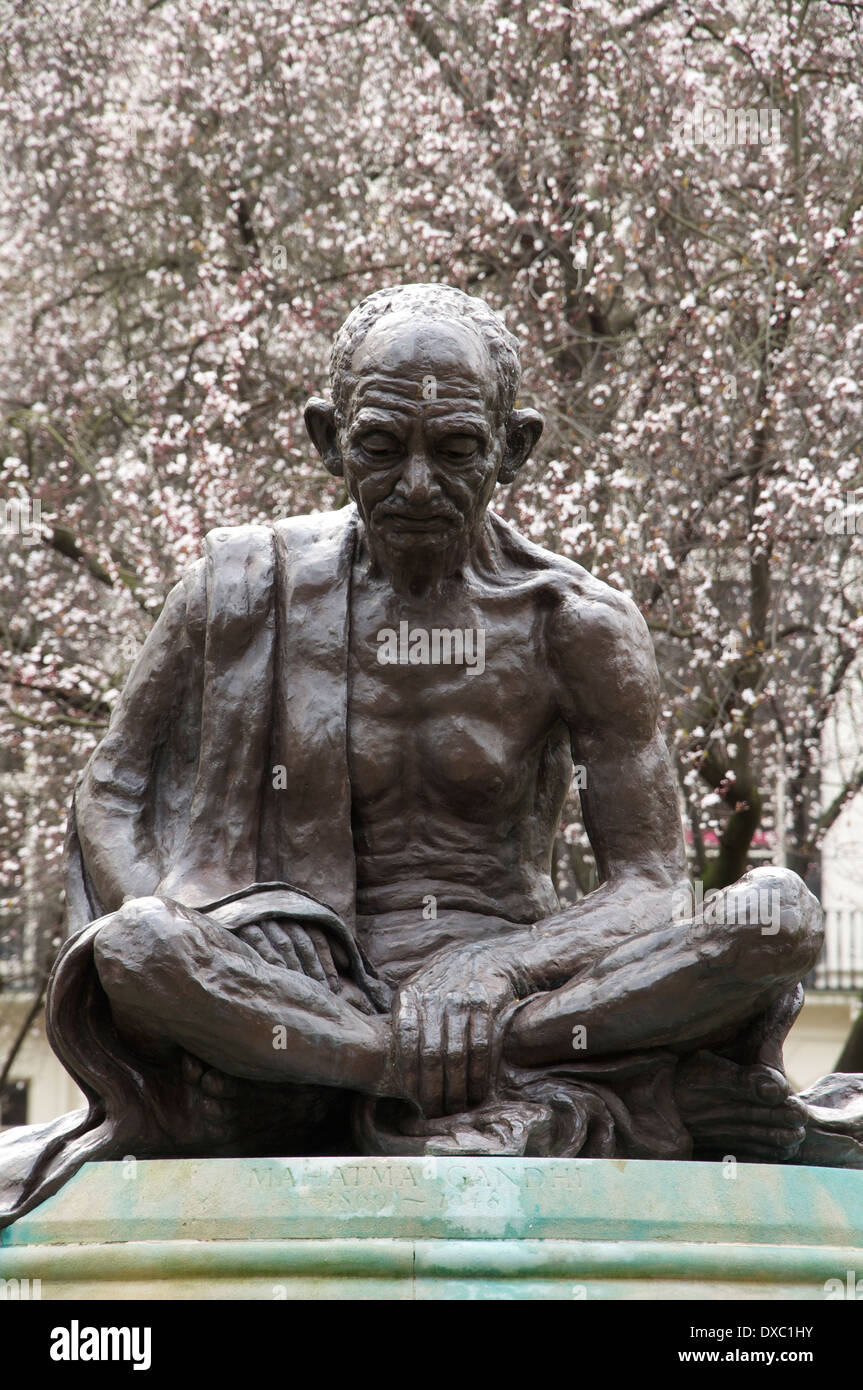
(446, 1031)
(293, 946)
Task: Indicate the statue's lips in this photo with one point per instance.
(418, 525)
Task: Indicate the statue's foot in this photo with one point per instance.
(834, 1122)
(503, 1130)
(737, 1111)
(500, 1129)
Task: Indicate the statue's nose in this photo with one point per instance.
(417, 479)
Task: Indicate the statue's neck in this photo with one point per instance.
(422, 574)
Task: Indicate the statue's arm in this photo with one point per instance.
(609, 695)
(153, 723)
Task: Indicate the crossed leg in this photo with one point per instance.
(695, 987)
(693, 983)
(177, 980)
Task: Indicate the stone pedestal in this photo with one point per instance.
(441, 1228)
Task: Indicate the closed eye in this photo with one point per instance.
(380, 446)
(458, 447)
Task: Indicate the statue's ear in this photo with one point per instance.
(320, 418)
(523, 429)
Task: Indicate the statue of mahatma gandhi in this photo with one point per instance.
(309, 863)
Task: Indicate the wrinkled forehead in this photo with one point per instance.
(422, 358)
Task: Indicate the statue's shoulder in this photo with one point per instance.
(302, 532)
(250, 549)
(574, 586)
(296, 532)
(596, 634)
(235, 577)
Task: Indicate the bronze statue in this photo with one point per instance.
(309, 863)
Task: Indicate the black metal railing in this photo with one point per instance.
(840, 965)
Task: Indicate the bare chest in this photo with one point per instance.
(450, 702)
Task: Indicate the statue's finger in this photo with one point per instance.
(456, 1040)
(406, 1027)
(276, 936)
(285, 948)
(479, 1053)
(256, 937)
(774, 1118)
(308, 956)
(762, 1143)
(325, 956)
(431, 1056)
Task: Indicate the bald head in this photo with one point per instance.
(436, 320)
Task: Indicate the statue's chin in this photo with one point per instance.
(427, 555)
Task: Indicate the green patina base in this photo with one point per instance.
(432, 1228)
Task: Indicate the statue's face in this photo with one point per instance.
(422, 443)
